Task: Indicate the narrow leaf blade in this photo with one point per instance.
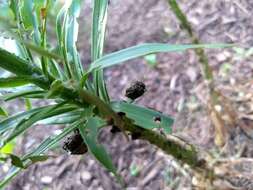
(145, 49)
(144, 117)
(89, 134)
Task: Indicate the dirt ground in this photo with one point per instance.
(175, 87)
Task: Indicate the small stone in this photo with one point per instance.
(192, 74)
(86, 176)
(46, 179)
(5, 168)
(221, 57)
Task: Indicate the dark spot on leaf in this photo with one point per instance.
(136, 90)
(157, 119)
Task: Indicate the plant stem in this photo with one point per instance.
(207, 71)
(172, 145)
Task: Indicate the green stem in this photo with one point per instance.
(207, 71)
(44, 60)
(170, 145)
(177, 148)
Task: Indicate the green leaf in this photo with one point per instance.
(26, 123)
(67, 32)
(151, 59)
(56, 70)
(56, 88)
(89, 133)
(3, 158)
(21, 94)
(8, 148)
(13, 6)
(16, 65)
(13, 82)
(11, 174)
(11, 121)
(28, 104)
(71, 34)
(43, 52)
(145, 49)
(63, 119)
(60, 28)
(38, 158)
(47, 144)
(59, 20)
(144, 117)
(35, 23)
(99, 19)
(16, 81)
(3, 112)
(6, 12)
(30, 13)
(134, 170)
(51, 142)
(26, 13)
(43, 15)
(16, 161)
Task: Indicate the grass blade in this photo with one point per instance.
(30, 19)
(16, 65)
(144, 117)
(27, 123)
(12, 121)
(3, 112)
(99, 19)
(59, 31)
(47, 144)
(63, 119)
(145, 49)
(21, 94)
(71, 35)
(42, 51)
(11, 82)
(97, 150)
(67, 31)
